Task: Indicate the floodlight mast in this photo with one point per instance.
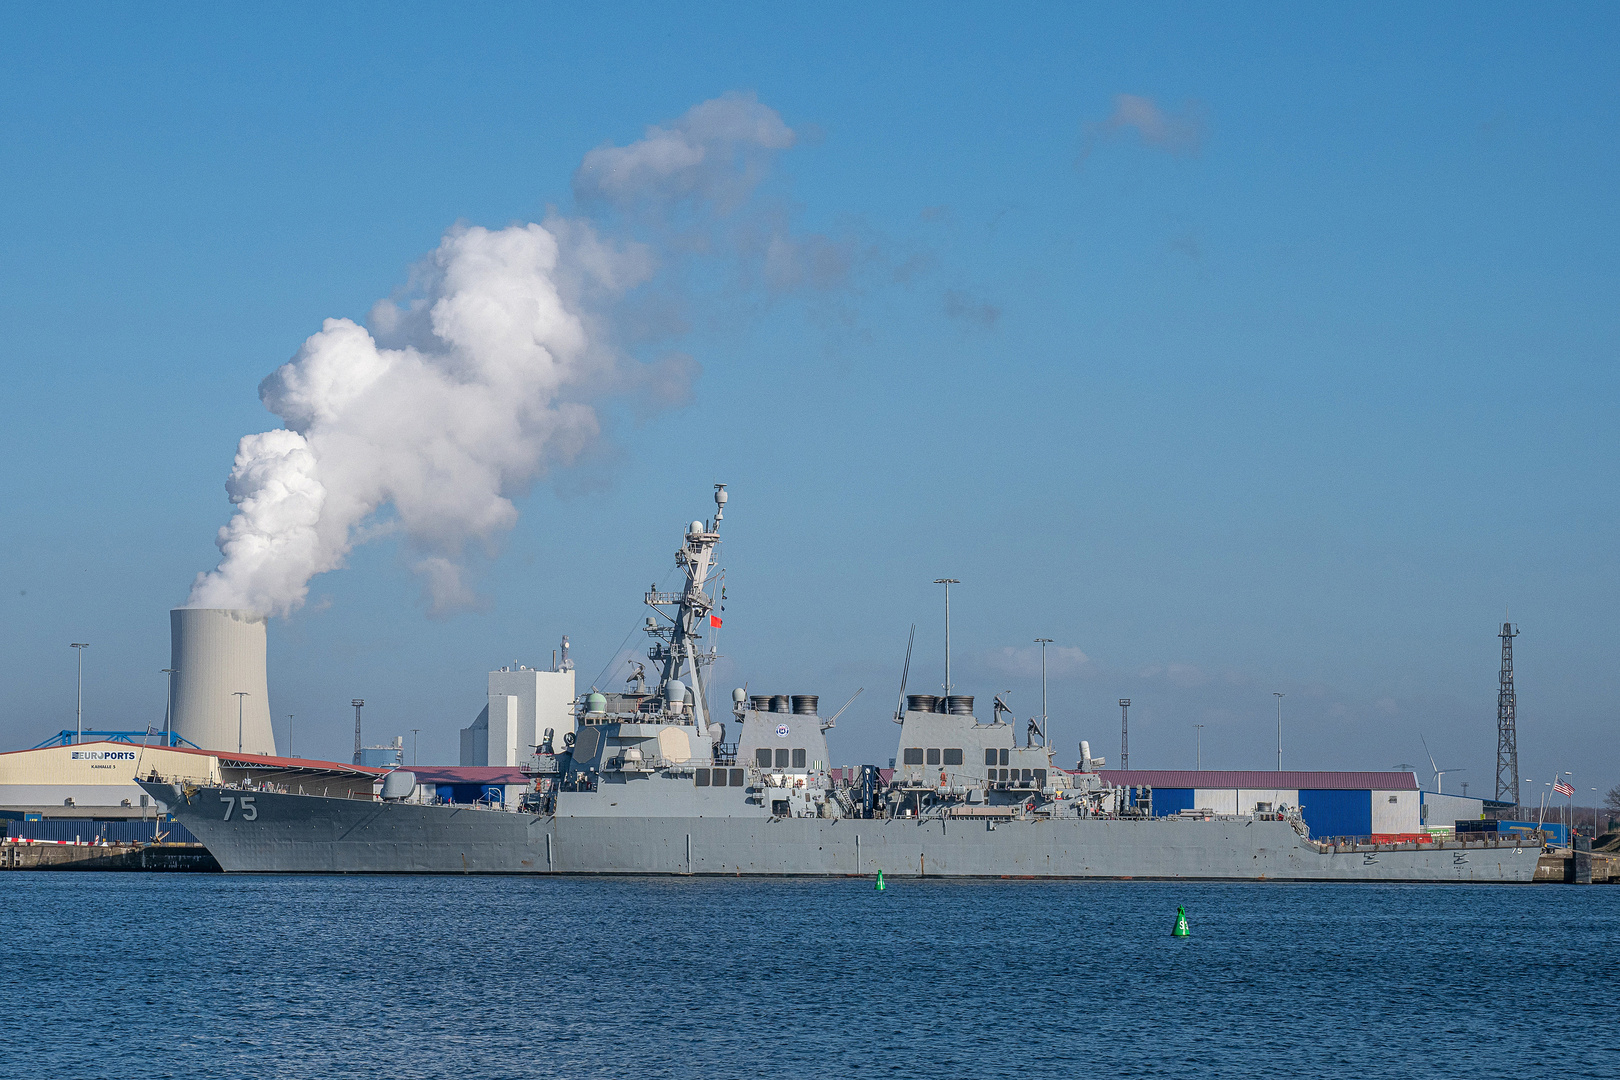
(168, 706)
(78, 710)
(1507, 722)
(1044, 642)
(1279, 698)
(947, 582)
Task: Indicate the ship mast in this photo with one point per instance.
(693, 607)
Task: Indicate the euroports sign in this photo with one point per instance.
(103, 755)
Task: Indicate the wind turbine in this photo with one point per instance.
(1439, 773)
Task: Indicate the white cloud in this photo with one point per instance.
(1025, 661)
(717, 152)
(1181, 133)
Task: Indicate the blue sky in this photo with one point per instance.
(1289, 370)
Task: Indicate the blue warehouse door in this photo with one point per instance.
(1337, 813)
(1167, 801)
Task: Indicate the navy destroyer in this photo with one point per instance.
(646, 783)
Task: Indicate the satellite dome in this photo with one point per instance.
(398, 785)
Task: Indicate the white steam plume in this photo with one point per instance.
(481, 383)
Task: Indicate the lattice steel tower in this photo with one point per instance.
(1507, 734)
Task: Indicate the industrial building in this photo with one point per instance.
(98, 779)
(389, 756)
(1332, 803)
(523, 703)
(498, 784)
(1442, 811)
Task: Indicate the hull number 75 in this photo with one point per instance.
(245, 804)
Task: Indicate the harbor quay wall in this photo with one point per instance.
(47, 855)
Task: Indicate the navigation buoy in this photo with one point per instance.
(1181, 922)
(880, 881)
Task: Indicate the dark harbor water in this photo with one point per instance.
(128, 975)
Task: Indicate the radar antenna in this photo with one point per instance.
(833, 720)
(676, 646)
(905, 673)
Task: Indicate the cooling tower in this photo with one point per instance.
(215, 653)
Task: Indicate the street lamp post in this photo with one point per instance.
(1044, 642)
(1569, 811)
(289, 734)
(78, 710)
(414, 730)
(240, 694)
(1279, 698)
(1200, 728)
(168, 706)
(947, 582)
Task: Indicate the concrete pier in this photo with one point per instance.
(189, 858)
(1572, 866)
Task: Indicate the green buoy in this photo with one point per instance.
(880, 881)
(1181, 922)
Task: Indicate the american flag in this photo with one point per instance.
(1563, 788)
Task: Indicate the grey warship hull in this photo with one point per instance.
(291, 833)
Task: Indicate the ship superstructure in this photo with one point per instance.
(647, 783)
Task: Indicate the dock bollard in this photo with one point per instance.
(880, 881)
(1181, 922)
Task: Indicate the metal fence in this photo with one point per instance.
(88, 831)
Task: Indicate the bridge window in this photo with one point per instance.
(736, 777)
(702, 779)
(719, 777)
(990, 756)
(798, 759)
(914, 755)
(953, 757)
(933, 755)
(1040, 777)
(1004, 755)
(762, 757)
(782, 758)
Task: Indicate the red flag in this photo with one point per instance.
(714, 621)
(1564, 789)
